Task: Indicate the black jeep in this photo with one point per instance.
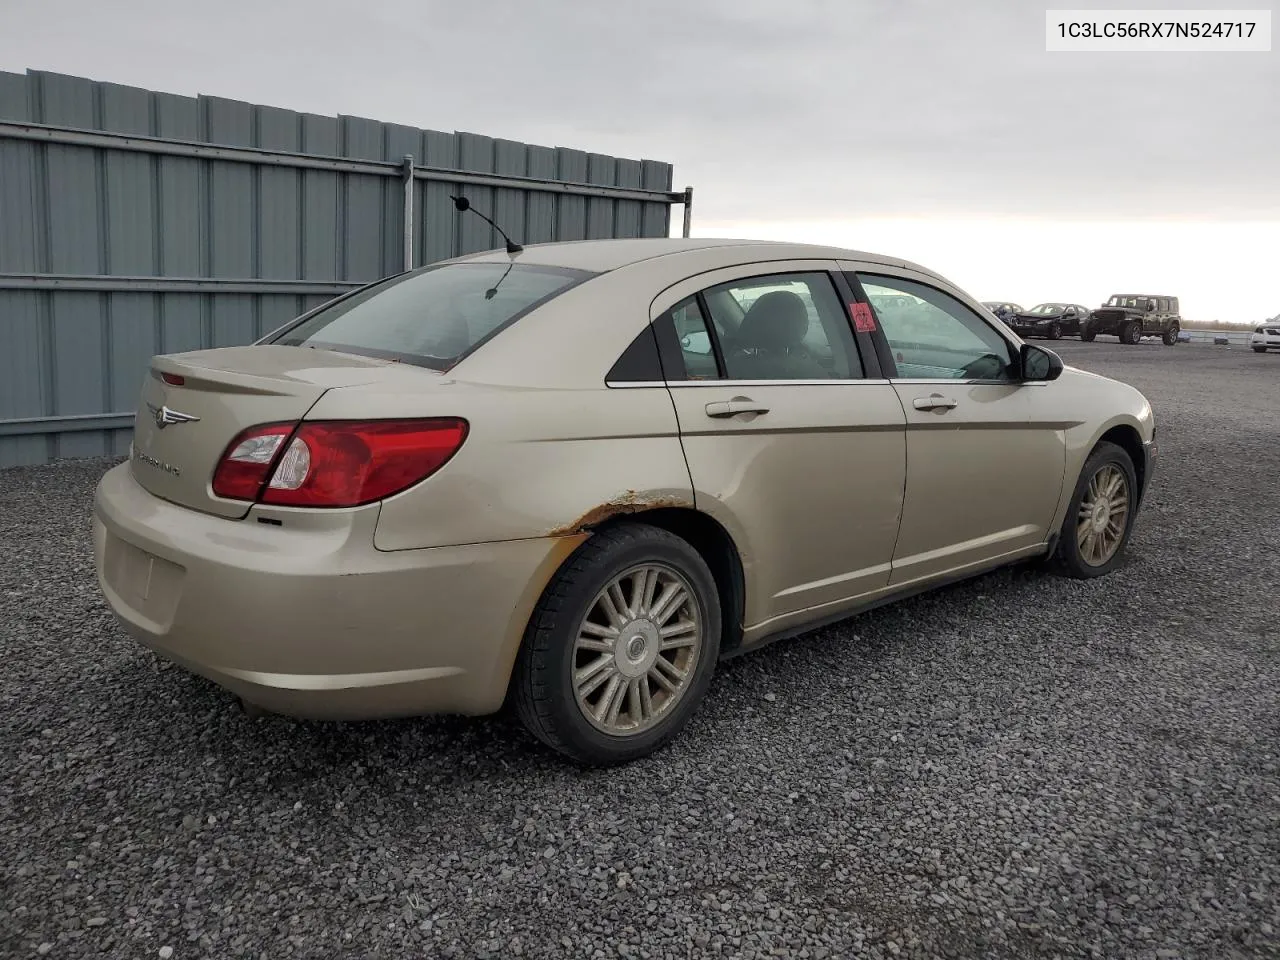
(1134, 316)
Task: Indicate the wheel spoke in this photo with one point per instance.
(635, 709)
(1086, 511)
(593, 629)
(642, 596)
(663, 680)
(1082, 533)
(1119, 507)
(672, 599)
(606, 699)
(595, 646)
(620, 600)
(611, 609)
(682, 634)
(646, 699)
(614, 696)
(590, 677)
(662, 663)
(1114, 481)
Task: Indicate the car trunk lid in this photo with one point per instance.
(194, 404)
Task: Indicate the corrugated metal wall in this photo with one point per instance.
(134, 223)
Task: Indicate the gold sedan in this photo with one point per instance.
(574, 477)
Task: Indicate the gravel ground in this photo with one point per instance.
(1016, 766)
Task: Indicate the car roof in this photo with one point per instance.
(604, 255)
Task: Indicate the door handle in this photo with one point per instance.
(730, 408)
(935, 402)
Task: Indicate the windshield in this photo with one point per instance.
(1132, 302)
(1044, 309)
(434, 316)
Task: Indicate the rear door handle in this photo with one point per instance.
(730, 408)
(935, 402)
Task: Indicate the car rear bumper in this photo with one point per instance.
(310, 620)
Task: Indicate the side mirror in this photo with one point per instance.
(1039, 364)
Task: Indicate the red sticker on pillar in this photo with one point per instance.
(863, 321)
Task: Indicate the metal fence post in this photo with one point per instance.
(406, 169)
(688, 210)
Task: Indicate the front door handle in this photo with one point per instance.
(935, 402)
(730, 408)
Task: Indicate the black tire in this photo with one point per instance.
(1069, 558)
(1055, 331)
(1259, 349)
(1087, 334)
(1170, 337)
(543, 690)
(1130, 333)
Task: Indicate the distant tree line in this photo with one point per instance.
(1218, 325)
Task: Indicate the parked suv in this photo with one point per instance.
(1134, 316)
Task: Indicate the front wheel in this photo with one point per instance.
(1101, 514)
(621, 647)
(1259, 349)
(1131, 333)
(1170, 336)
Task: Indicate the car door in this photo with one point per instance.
(794, 445)
(1071, 319)
(983, 474)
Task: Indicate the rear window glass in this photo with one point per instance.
(435, 316)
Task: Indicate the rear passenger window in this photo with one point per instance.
(694, 338)
(782, 327)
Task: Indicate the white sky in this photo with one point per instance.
(938, 130)
(1226, 272)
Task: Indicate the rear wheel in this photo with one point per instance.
(1259, 349)
(1130, 333)
(1170, 336)
(1100, 516)
(621, 647)
(1055, 331)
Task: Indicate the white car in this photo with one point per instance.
(1266, 337)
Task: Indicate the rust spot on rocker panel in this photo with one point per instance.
(629, 502)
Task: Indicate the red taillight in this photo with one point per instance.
(336, 463)
(247, 463)
(173, 379)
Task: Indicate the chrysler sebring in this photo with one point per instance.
(574, 477)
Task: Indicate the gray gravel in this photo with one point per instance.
(1016, 766)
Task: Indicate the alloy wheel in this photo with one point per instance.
(637, 649)
(1104, 512)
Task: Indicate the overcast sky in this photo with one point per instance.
(916, 121)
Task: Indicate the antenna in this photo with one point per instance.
(463, 205)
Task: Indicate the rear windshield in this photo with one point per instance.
(435, 316)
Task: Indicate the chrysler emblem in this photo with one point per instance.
(165, 416)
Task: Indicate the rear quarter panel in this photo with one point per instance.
(536, 462)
